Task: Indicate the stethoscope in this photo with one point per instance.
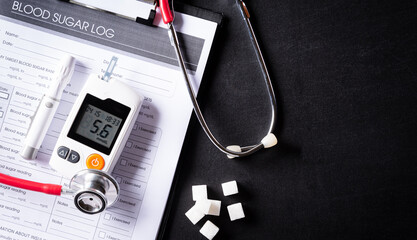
(95, 190)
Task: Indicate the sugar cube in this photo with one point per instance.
(194, 214)
(209, 230)
(229, 188)
(199, 192)
(235, 211)
(203, 205)
(214, 207)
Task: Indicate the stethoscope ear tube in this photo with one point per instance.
(47, 188)
(234, 150)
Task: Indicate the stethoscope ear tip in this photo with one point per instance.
(269, 140)
(234, 148)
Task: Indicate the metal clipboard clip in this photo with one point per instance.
(140, 11)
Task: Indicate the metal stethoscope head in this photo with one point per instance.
(94, 190)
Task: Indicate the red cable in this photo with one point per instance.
(165, 11)
(47, 188)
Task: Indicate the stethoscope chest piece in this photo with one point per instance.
(94, 190)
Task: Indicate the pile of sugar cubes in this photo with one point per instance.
(204, 206)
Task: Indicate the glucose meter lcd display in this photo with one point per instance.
(98, 123)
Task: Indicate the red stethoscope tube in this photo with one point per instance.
(165, 11)
(47, 188)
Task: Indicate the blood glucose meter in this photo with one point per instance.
(92, 139)
(97, 127)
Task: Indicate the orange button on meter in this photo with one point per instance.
(95, 161)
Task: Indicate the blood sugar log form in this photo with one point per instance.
(67, 21)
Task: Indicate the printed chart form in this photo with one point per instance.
(31, 46)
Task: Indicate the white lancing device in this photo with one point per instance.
(47, 109)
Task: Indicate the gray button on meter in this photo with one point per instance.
(73, 157)
(63, 152)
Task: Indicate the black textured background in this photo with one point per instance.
(346, 84)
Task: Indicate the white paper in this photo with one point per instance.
(28, 56)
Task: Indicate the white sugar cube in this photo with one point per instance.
(194, 214)
(235, 211)
(203, 205)
(199, 192)
(229, 188)
(209, 230)
(214, 207)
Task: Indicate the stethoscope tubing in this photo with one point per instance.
(52, 189)
(246, 150)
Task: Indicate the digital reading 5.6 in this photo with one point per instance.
(98, 125)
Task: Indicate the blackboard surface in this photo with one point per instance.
(345, 74)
